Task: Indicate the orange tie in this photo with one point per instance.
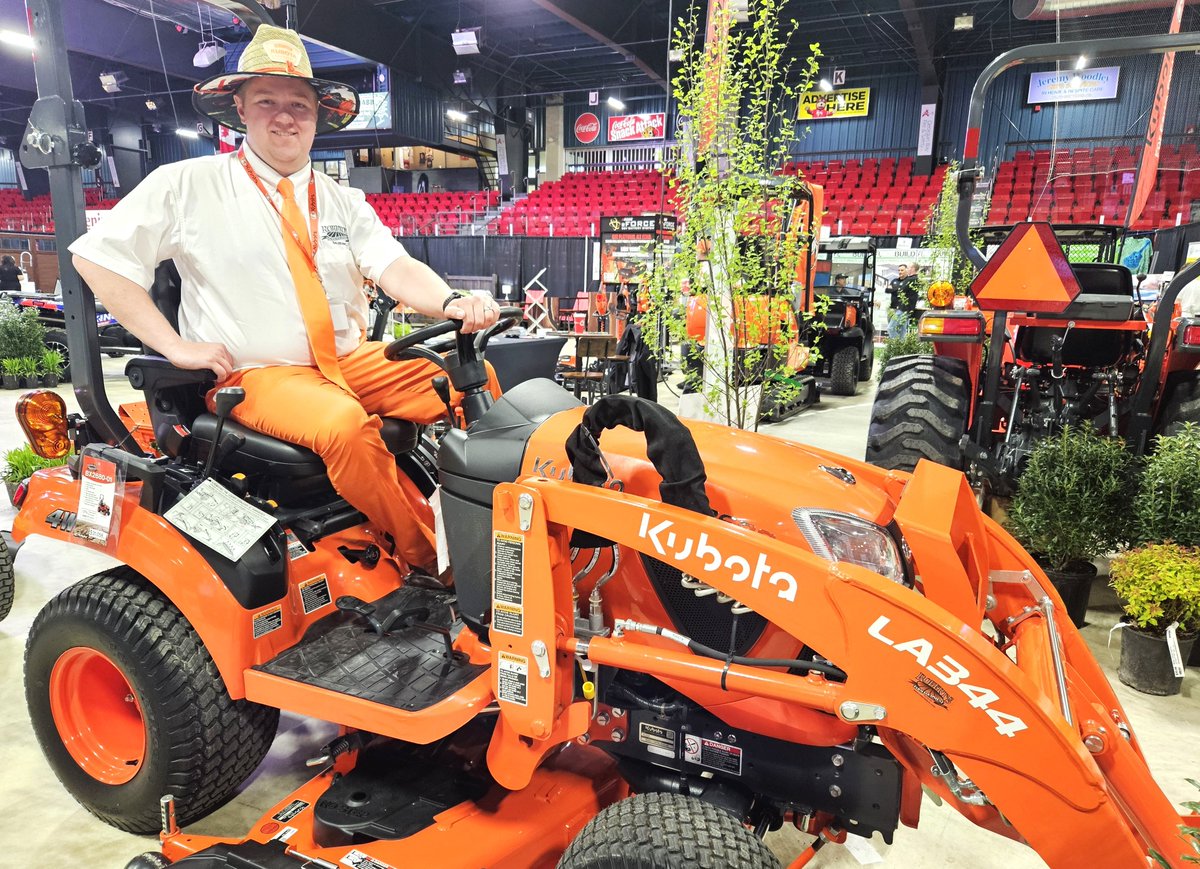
(313, 305)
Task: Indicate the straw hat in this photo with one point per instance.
(275, 51)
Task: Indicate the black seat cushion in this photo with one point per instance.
(1106, 294)
(268, 456)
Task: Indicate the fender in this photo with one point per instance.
(163, 557)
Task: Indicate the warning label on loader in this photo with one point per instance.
(295, 547)
(513, 678)
(267, 621)
(508, 568)
(508, 619)
(712, 754)
(314, 593)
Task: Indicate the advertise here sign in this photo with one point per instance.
(850, 103)
(624, 128)
(1074, 87)
(587, 128)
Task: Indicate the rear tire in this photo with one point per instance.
(843, 371)
(1181, 403)
(8, 580)
(666, 831)
(169, 727)
(920, 412)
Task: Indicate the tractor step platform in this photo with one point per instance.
(406, 668)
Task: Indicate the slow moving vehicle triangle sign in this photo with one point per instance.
(1029, 272)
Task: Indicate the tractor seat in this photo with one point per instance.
(1106, 294)
(268, 456)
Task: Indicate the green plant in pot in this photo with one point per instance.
(53, 363)
(31, 370)
(21, 463)
(1167, 503)
(1070, 508)
(10, 371)
(1159, 585)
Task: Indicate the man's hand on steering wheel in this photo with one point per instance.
(475, 312)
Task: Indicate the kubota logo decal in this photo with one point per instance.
(663, 539)
(953, 674)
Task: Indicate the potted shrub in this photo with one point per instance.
(1159, 585)
(1167, 503)
(52, 367)
(10, 372)
(31, 371)
(21, 463)
(1070, 508)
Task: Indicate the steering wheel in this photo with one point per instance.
(469, 347)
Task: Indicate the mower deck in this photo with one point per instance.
(378, 816)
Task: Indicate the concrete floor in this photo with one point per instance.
(40, 825)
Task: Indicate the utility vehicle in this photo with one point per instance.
(655, 649)
(844, 334)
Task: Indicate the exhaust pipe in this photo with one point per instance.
(1041, 10)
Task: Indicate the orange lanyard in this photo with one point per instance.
(310, 253)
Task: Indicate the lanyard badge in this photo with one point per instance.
(309, 250)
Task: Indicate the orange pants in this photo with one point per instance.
(297, 404)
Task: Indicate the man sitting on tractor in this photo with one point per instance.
(272, 258)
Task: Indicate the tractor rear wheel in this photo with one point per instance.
(920, 412)
(128, 705)
(666, 831)
(843, 371)
(8, 580)
(1181, 403)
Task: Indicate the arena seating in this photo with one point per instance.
(1087, 185)
(431, 213)
(873, 196)
(574, 204)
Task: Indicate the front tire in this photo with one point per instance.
(843, 371)
(128, 705)
(921, 411)
(666, 831)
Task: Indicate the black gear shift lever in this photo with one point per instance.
(226, 399)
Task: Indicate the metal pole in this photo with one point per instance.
(56, 140)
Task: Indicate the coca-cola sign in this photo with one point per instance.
(587, 128)
(624, 128)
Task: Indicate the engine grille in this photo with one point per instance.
(705, 619)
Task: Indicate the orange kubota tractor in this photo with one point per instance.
(654, 650)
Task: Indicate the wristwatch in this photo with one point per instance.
(450, 298)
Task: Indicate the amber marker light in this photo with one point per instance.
(43, 418)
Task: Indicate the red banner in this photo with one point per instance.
(624, 128)
(1148, 167)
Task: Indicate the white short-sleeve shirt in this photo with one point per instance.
(227, 242)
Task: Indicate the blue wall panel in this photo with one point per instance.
(889, 130)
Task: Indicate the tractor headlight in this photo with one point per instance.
(842, 537)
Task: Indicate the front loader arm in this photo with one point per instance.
(913, 666)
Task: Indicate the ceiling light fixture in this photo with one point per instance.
(614, 103)
(456, 115)
(466, 41)
(462, 76)
(152, 105)
(112, 81)
(964, 22)
(20, 40)
(1082, 62)
(825, 85)
(185, 133)
(208, 54)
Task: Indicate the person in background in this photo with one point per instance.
(272, 257)
(10, 275)
(839, 282)
(903, 291)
